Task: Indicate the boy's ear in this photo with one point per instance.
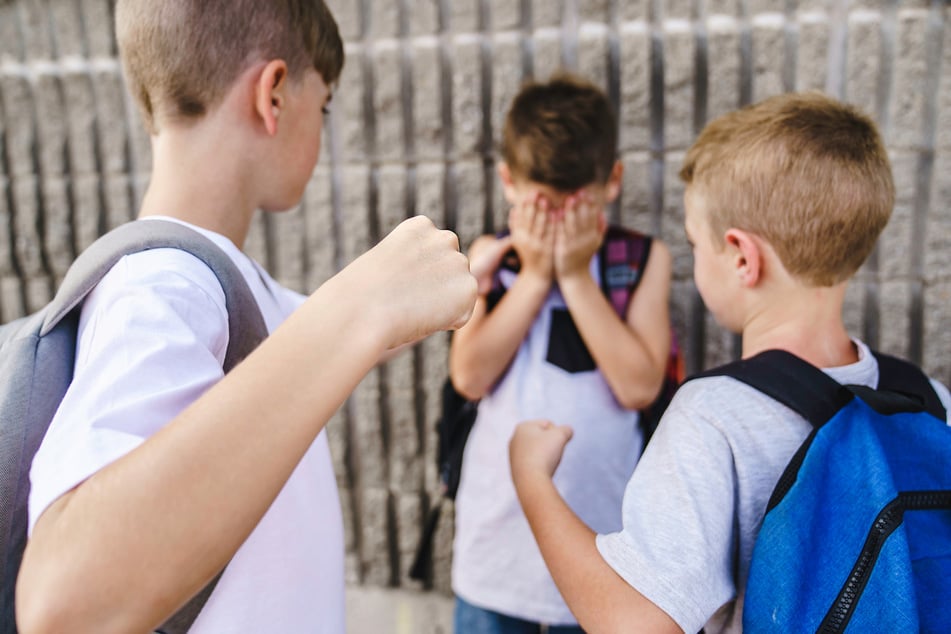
(612, 189)
(508, 185)
(270, 94)
(747, 256)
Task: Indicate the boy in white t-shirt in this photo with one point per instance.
(552, 346)
(784, 201)
(156, 472)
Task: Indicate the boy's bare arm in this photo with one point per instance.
(598, 597)
(125, 549)
(632, 354)
(481, 351)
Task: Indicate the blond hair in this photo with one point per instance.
(803, 171)
(561, 133)
(181, 56)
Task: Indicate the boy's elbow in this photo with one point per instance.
(39, 611)
(638, 397)
(468, 387)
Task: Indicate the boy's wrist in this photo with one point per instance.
(571, 279)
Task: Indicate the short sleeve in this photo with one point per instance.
(678, 542)
(152, 339)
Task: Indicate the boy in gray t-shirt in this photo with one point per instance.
(784, 201)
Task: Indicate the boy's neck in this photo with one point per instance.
(200, 175)
(808, 323)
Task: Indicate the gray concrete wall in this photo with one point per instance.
(413, 130)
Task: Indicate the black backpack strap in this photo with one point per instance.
(795, 383)
(907, 379)
(246, 327)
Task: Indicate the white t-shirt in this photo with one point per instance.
(696, 501)
(496, 561)
(152, 338)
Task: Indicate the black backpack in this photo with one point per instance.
(37, 355)
(622, 258)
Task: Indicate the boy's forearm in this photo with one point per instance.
(163, 520)
(630, 367)
(600, 599)
(481, 355)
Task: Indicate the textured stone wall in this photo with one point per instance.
(413, 130)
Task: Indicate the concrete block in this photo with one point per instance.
(465, 16)
(635, 195)
(10, 47)
(406, 444)
(87, 209)
(769, 55)
(937, 255)
(338, 439)
(937, 336)
(854, 309)
(672, 217)
(80, 104)
(12, 305)
(350, 101)
(28, 244)
(442, 550)
(66, 21)
(384, 18)
(594, 11)
(724, 65)
(635, 86)
(943, 128)
(431, 192)
(50, 124)
(287, 248)
(863, 61)
(677, 10)
(594, 53)
(39, 292)
(7, 266)
(433, 355)
(58, 238)
(392, 203)
(895, 317)
(349, 519)
(120, 128)
(255, 244)
(319, 234)
(507, 79)
(388, 100)
(724, 7)
(367, 429)
(720, 345)
(354, 211)
(35, 31)
(349, 20)
(18, 107)
(634, 10)
(898, 237)
(755, 8)
(467, 112)
(547, 13)
(429, 131)
(100, 34)
(375, 535)
(409, 522)
(469, 179)
(911, 77)
(505, 15)
(680, 51)
(424, 16)
(812, 58)
(548, 57)
(117, 196)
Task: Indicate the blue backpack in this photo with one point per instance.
(857, 533)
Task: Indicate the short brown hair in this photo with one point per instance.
(562, 133)
(803, 171)
(181, 56)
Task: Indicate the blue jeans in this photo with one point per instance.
(469, 619)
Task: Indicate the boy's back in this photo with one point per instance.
(546, 342)
(784, 201)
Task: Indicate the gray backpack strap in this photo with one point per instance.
(246, 328)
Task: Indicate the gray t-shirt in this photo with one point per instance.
(696, 501)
